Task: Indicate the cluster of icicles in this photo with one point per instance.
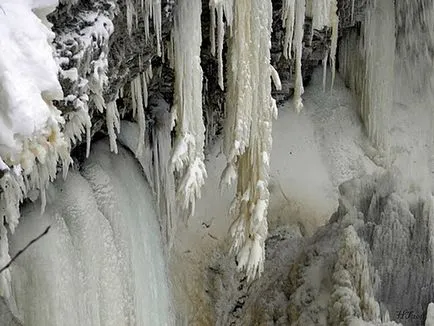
(251, 109)
(249, 105)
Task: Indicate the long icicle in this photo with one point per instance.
(188, 157)
(247, 144)
(298, 47)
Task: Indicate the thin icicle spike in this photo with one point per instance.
(300, 12)
(142, 103)
(212, 26)
(156, 17)
(187, 156)
(149, 9)
(288, 18)
(334, 20)
(137, 93)
(219, 9)
(113, 124)
(130, 12)
(324, 71)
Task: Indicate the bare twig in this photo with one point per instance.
(24, 249)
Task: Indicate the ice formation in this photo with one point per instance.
(158, 174)
(300, 14)
(188, 156)
(149, 9)
(369, 70)
(324, 14)
(247, 143)
(102, 261)
(221, 13)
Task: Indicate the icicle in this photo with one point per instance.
(334, 19)
(212, 27)
(220, 41)
(88, 138)
(275, 77)
(298, 47)
(321, 10)
(136, 91)
(247, 143)
(139, 100)
(145, 89)
(187, 157)
(156, 17)
(288, 18)
(324, 71)
(352, 11)
(223, 8)
(142, 102)
(113, 122)
(324, 13)
(130, 12)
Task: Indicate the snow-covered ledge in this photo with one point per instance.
(31, 141)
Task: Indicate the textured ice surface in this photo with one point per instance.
(101, 263)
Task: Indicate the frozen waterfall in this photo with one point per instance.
(102, 261)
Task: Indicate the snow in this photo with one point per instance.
(28, 80)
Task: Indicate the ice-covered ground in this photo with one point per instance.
(28, 80)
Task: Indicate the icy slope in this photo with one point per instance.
(102, 261)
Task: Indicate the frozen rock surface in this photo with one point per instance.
(360, 268)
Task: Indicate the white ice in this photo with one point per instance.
(101, 262)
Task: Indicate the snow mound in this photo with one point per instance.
(31, 141)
